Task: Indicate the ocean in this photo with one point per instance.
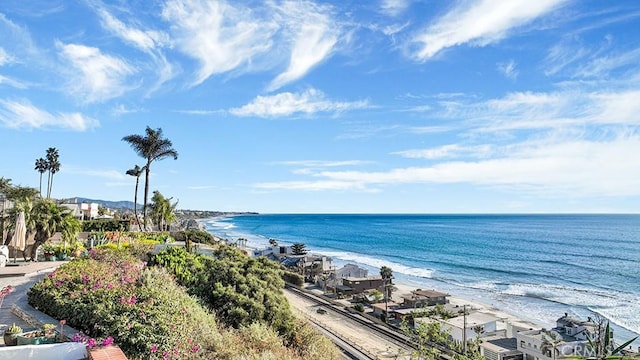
(536, 267)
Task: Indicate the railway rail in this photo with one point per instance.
(400, 339)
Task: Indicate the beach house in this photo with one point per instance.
(568, 338)
(422, 298)
(359, 285)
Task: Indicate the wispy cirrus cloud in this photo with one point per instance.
(447, 151)
(220, 36)
(24, 115)
(145, 40)
(286, 104)
(555, 167)
(508, 69)
(96, 77)
(314, 34)
(394, 7)
(478, 23)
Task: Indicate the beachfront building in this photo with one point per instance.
(358, 285)
(568, 338)
(333, 278)
(422, 298)
(500, 348)
(273, 251)
(473, 325)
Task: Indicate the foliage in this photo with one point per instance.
(299, 249)
(53, 166)
(293, 278)
(359, 307)
(195, 235)
(162, 210)
(136, 171)
(13, 329)
(111, 294)
(151, 147)
(241, 290)
(105, 225)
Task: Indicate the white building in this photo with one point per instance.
(476, 324)
(83, 211)
(568, 338)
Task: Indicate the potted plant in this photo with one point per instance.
(46, 335)
(49, 251)
(61, 252)
(10, 335)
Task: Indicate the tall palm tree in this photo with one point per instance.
(53, 165)
(136, 171)
(41, 166)
(150, 147)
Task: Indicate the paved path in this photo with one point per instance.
(22, 276)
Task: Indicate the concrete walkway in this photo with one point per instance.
(15, 307)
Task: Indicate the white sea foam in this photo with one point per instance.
(378, 263)
(621, 308)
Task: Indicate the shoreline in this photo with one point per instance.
(532, 312)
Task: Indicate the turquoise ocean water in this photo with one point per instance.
(534, 266)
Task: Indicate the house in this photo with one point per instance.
(570, 337)
(422, 298)
(360, 284)
(469, 327)
(351, 270)
(277, 251)
(500, 348)
(381, 308)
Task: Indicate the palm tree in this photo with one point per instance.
(136, 171)
(150, 147)
(387, 274)
(41, 166)
(44, 218)
(53, 165)
(162, 210)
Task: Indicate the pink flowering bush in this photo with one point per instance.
(116, 299)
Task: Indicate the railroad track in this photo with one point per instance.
(402, 340)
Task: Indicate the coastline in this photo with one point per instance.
(536, 302)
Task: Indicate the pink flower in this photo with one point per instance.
(108, 341)
(195, 348)
(91, 343)
(154, 348)
(57, 283)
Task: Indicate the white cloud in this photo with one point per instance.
(602, 66)
(100, 76)
(24, 115)
(508, 69)
(550, 168)
(321, 163)
(394, 7)
(447, 151)
(144, 40)
(315, 36)
(285, 104)
(479, 23)
(4, 57)
(221, 37)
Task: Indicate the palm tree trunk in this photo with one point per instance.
(146, 192)
(40, 184)
(48, 182)
(135, 204)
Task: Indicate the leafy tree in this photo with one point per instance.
(273, 242)
(53, 165)
(17, 194)
(41, 166)
(299, 249)
(162, 210)
(136, 171)
(151, 147)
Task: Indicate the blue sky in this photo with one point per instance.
(381, 106)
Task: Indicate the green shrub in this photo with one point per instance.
(293, 278)
(106, 225)
(195, 235)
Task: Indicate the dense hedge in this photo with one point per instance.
(194, 235)
(106, 225)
